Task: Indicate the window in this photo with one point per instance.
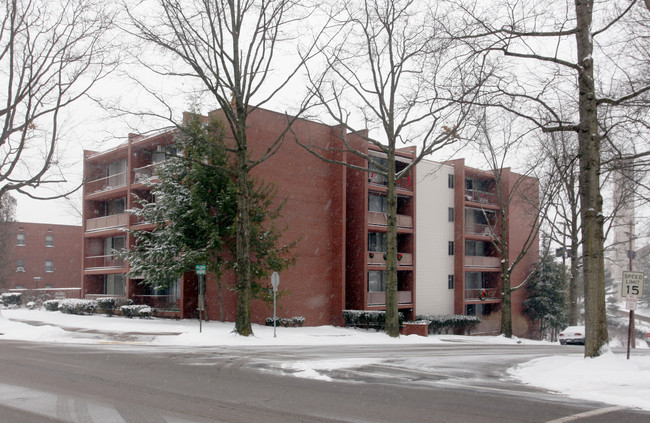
(377, 203)
(116, 206)
(450, 281)
(114, 243)
(48, 286)
(20, 240)
(451, 248)
(116, 173)
(377, 164)
(376, 281)
(49, 266)
(20, 265)
(377, 241)
(450, 180)
(49, 240)
(451, 214)
(474, 280)
(115, 284)
(476, 248)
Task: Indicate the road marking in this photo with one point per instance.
(588, 414)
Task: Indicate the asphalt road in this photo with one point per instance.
(117, 384)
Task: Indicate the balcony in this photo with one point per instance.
(141, 174)
(379, 298)
(404, 184)
(482, 261)
(107, 183)
(492, 294)
(376, 258)
(104, 262)
(479, 229)
(107, 222)
(481, 197)
(381, 219)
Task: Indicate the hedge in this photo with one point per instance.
(51, 305)
(450, 323)
(11, 298)
(295, 321)
(138, 310)
(368, 318)
(77, 306)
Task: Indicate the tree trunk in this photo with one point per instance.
(590, 198)
(244, 294)
(392, 320)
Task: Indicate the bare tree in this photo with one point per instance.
(7, 212)
(534, 40)
(51, 55)
(517, 194)
(231, 49)
(392, 78)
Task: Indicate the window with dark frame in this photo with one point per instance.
(450, 281)
(450, 180)
(451, 214)
(451, 248)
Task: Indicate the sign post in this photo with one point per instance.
(200, 270)
(275, 281)
(632, 289)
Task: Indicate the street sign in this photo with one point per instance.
(630, 303)
(632, 284)
(275, 280)
(200, 269)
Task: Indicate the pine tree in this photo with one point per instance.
(546, 302)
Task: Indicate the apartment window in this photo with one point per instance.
(20, 240)
(451, 248)
(476, 248)
(49, 266)
(451, 214)
(115, 284)
(377, 203)
(376, 281)
(450, 281)
(114, 243)
(48, 286)
(376, 165)
(20, 265)
(377, 241)
(450, 180)
(116, 206)
(49, 240)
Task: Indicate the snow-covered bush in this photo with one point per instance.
(295, 321)
(77, 306)
(269, 321)
(450, 323)
(31, 305)
(11, 298)
(51, 305)
(136, 310)
(106, 305)
(367, 318)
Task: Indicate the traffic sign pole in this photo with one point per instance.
(275, 281)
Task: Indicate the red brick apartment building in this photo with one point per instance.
(338, 215)
(43, 256)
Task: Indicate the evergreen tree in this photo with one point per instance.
(546, 302)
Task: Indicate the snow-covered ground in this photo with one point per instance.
(609, 378)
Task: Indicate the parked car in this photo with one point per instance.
(572, 335)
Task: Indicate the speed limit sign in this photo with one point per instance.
(632, 284)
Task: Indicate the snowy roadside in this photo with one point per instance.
(610, 378)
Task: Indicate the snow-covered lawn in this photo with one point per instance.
(610, 378)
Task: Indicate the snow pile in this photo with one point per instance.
(609, 378)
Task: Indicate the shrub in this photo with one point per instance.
(136, 310)
(51, 305)
(106, 305)
(31, 305)
(11, 298)
(269, 321)
(298, 321)
(78, 306)
(295, 321)
(368, 318)
(450, 323)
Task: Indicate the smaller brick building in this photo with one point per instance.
(43, 256)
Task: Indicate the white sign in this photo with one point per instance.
(630, 303)
(275, 281)
(632, 284)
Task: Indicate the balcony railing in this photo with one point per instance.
(481, 197)
(106, 222)
(480, 229)
(475, 294)
(381, 219)
(379, 298)
(377, 258)
(107, 183)
(162, 302)
(104, 262)
(482, 261)
(141, 174)
(405, 184)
